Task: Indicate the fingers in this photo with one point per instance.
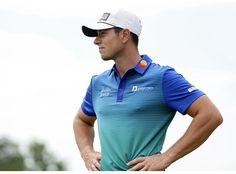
(94, 168)
(98, 156)
(135, 161)
(97, 165)
(138, 162)
(137, 167)
(149, 163)
(144, 169)
(94, 165)
(96, 162)
(92, 161)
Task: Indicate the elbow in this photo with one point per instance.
(217, 119)
(75, 123)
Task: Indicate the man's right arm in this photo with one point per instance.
(84, 135)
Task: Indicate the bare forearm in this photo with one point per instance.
(197, 133)
(84, 135)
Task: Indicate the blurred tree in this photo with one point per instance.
(43, 160)
(37, 158)
(10, 157)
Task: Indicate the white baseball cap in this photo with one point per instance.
(122, 19)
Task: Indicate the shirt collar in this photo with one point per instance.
(140, 67)
(143, 64)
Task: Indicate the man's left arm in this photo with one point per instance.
(206, 118)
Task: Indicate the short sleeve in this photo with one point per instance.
(178, 93)
(87, 104)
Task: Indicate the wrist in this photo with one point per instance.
(84, 153)
(169, 158)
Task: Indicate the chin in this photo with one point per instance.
(106, 58)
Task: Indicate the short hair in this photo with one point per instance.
(133, 36)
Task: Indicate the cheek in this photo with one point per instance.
(115, 45)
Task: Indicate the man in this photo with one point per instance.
(134, 103)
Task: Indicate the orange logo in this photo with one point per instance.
(143, 64)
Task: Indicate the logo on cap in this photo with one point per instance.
(105, 16)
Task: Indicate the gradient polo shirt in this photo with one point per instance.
(134, 112)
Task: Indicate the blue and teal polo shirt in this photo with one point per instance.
(134, 112)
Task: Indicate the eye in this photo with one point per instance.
(101, 33)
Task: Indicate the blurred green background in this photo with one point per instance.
(35, 156)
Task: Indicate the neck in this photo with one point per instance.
(126, 62)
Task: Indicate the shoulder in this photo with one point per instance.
(102, 76)
(155, 67)
(165, 70)
(161, 70)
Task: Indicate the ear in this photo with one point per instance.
(125, 35)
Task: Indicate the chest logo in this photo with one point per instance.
(142, 89)
(105, 92)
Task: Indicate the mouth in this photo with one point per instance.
(101, 48)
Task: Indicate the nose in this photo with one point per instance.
(97, 40)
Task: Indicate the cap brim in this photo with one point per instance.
(91, 31)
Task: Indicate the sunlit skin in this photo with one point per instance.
(118, 47)
(109, 44)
